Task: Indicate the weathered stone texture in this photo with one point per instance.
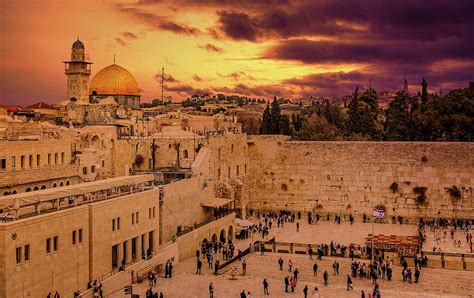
(356, 176)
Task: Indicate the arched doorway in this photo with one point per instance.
(230, 234)
(204, 244)
(214, 238)
(222, 236)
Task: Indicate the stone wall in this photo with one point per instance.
(182, 205)
(356, 176)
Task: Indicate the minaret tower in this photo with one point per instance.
(405, 86)
(77, 71)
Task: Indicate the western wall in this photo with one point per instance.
(354, 177)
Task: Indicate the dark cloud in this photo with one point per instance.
(157, 22)
(322, 52)
(187, 90)
(238, 26)
(211, 48)
(386, 19)
(237, 75)
(129, 35)
(197, 78)
(179, 28)
(167, 78)
(121, 42)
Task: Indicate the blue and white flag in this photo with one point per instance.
(379, 213)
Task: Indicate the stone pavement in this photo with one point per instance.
(446, 244)
(185, 283)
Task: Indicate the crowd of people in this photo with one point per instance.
(444, 230)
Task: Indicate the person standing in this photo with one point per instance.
(244, 268)
(305, 291)
(293, 284)
(349, 283)
(417, 275)
(326, 278)
(290, 265)
(211, 290)
(199, 265)
(287, 283)
(315, 269)
(265, 287)
(295, 273)
(362, 294)
(243, 295)
(280, 262)
(315, 292)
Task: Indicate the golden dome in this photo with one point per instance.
(114, 80)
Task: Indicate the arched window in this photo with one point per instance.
(14, 192)
(61, 184)
(28, 189)
(67, 182)
(185, 154)
(43, 187)
(36, 188)
(55, 185)
(6, 193)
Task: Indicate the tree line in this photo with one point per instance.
(424, 117)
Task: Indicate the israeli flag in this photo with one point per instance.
(379, 213)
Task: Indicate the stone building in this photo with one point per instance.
(77, 71)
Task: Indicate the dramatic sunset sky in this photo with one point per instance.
(248, 47)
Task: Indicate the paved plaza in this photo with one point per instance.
(186, 283)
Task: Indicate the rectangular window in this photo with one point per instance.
(49, 159)
(153, 212)
(103, 163)
(245, 168)
(237, 170)
(228, 174)
(149, 213)
(55, 243)
(55, 158)
(30, 161)
(13, 162)
(84, 170)
(92, 169)
(113, 224)
(18, 255)
(80, 235)
(48, 246)
(38, 160)
(136, 217)
(73, 237)
(218, 174)
(62, 157)
(27, 252)
(133, 218)
(118, 223)
(3, 164)
(22, 161)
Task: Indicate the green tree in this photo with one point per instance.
(265, 127)
(363, 115)
(424, 94)
(275, 117)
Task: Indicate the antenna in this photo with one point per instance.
(162, 83)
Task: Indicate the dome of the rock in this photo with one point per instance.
(114, 80)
